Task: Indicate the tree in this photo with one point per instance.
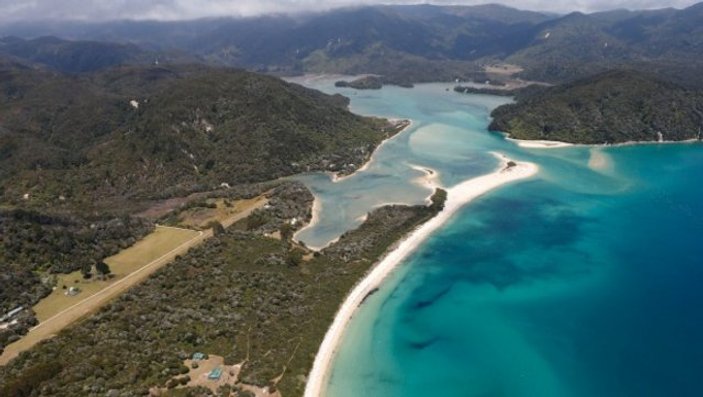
(217, 228)
(102, 268)
(256, 220)
(295, 257)
(438, 199)
(86, 271)
(286, 231)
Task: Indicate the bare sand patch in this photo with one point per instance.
(598, 160)
(540, 144)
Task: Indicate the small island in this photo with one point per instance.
(461, 89)
(362, 83)
(375, 82)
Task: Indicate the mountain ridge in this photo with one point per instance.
(541, 43)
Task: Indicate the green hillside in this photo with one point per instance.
(138, 133)
(614, 107)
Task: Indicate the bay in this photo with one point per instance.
(584, 281)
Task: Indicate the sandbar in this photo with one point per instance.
(457, 197)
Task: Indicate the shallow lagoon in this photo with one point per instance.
(585, 281)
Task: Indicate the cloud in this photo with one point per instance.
(99, 10)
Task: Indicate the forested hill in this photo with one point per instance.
(613, 107)
(133, 133)
(83, 55)
(410, 43)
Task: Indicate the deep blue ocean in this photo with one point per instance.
(584, 281)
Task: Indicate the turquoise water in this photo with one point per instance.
(584, 281)
(443, 137)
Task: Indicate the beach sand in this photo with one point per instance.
(316, 208)
(457, 197)
(527, 144)
(540, 144)
(429, 180)
(335, 176)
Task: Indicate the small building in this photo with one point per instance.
(198, 356)
(14, 312)
(11, 313)
(215, 374)
(73, 291)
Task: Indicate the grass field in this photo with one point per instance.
(145, 251)
(130, 267)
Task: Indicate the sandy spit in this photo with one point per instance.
(458, 196)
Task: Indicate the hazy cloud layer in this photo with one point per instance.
(16, 10)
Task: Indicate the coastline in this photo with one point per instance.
(429, 180)
(457, 197)
(539, 144)
(335, 175)
(544, 144)
(316, 208)
(316, 205)
(632, 143)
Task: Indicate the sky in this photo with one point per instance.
(97, 10)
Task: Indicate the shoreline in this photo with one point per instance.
(457, 197)
(429, 180)
(335, 177)
(540, 144)
(545, 144)
(316, 209)
(317, 206)
(633, 143)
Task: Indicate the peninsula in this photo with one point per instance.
(457, 196)
(614, 107)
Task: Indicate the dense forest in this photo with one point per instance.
(108, 120)
(111, 139)
(243, 295)
(80, 154)
(614, 107)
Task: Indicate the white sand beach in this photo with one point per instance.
(429, 180)
(558, 144)
(316, 208)
(335, 176)
(457, 197)
(540, 144)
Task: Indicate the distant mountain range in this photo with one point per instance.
(430, 42)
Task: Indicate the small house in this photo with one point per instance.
(215, 374)
(11, 313)
(73, 291)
